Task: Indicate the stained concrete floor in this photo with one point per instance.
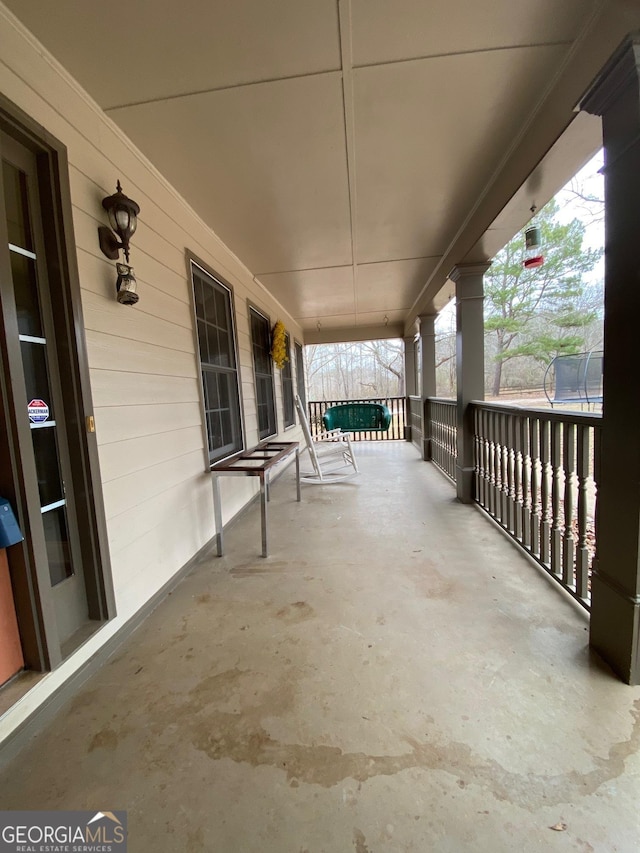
(394, 677)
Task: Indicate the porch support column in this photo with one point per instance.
(410, 383)
(469, 283)
(428, 372)
(411, 388)
(615, 608)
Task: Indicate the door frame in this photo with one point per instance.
(31, 586)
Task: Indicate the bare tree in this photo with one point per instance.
(351, 370)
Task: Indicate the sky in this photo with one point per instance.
(588, 181)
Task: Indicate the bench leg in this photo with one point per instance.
(217, 513)
(263, 514)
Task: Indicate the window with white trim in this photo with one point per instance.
(263, 373)
(218, 364)
(287, 386)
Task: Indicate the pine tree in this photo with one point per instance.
(531, 312)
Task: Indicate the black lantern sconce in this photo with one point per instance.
(123, 219)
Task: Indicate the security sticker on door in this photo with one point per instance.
(38, 411)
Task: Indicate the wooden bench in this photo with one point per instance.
(357, 417)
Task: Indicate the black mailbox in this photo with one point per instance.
(10, 533)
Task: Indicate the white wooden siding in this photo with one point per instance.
(143, 361)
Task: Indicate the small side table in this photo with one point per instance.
(257, 462)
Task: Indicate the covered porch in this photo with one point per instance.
(379, 683)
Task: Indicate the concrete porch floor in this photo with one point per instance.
(394, 677)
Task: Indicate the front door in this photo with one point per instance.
(45, 462)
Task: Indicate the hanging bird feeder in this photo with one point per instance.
(533, 256)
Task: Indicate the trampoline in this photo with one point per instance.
(574, 378)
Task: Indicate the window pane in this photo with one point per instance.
(221, 310)
(224, 354)
(211, 382)
(209, 300)
(218, 364)
(287, 386)
(198, 296)
(211, 444)
(263, 420)
(224, 390)
(263, 369)
(216, 431)
(202, 342)
(225, 424)
(219, 352)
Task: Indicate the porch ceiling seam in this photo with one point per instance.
(346, 266)
(196, 92)
(469, 51)
(351, 67)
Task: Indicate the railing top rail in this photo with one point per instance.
(359, 399)
(553, 415)
(448, 400)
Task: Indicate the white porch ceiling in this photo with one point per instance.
(348, 151)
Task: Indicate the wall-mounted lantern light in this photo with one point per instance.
(123, 219)
(126, 285)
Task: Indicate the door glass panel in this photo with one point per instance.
(47, 470)
(36, 375)
(25, 285)
(17, 207)
(57, 538)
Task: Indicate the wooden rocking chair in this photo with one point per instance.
(331, 454)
